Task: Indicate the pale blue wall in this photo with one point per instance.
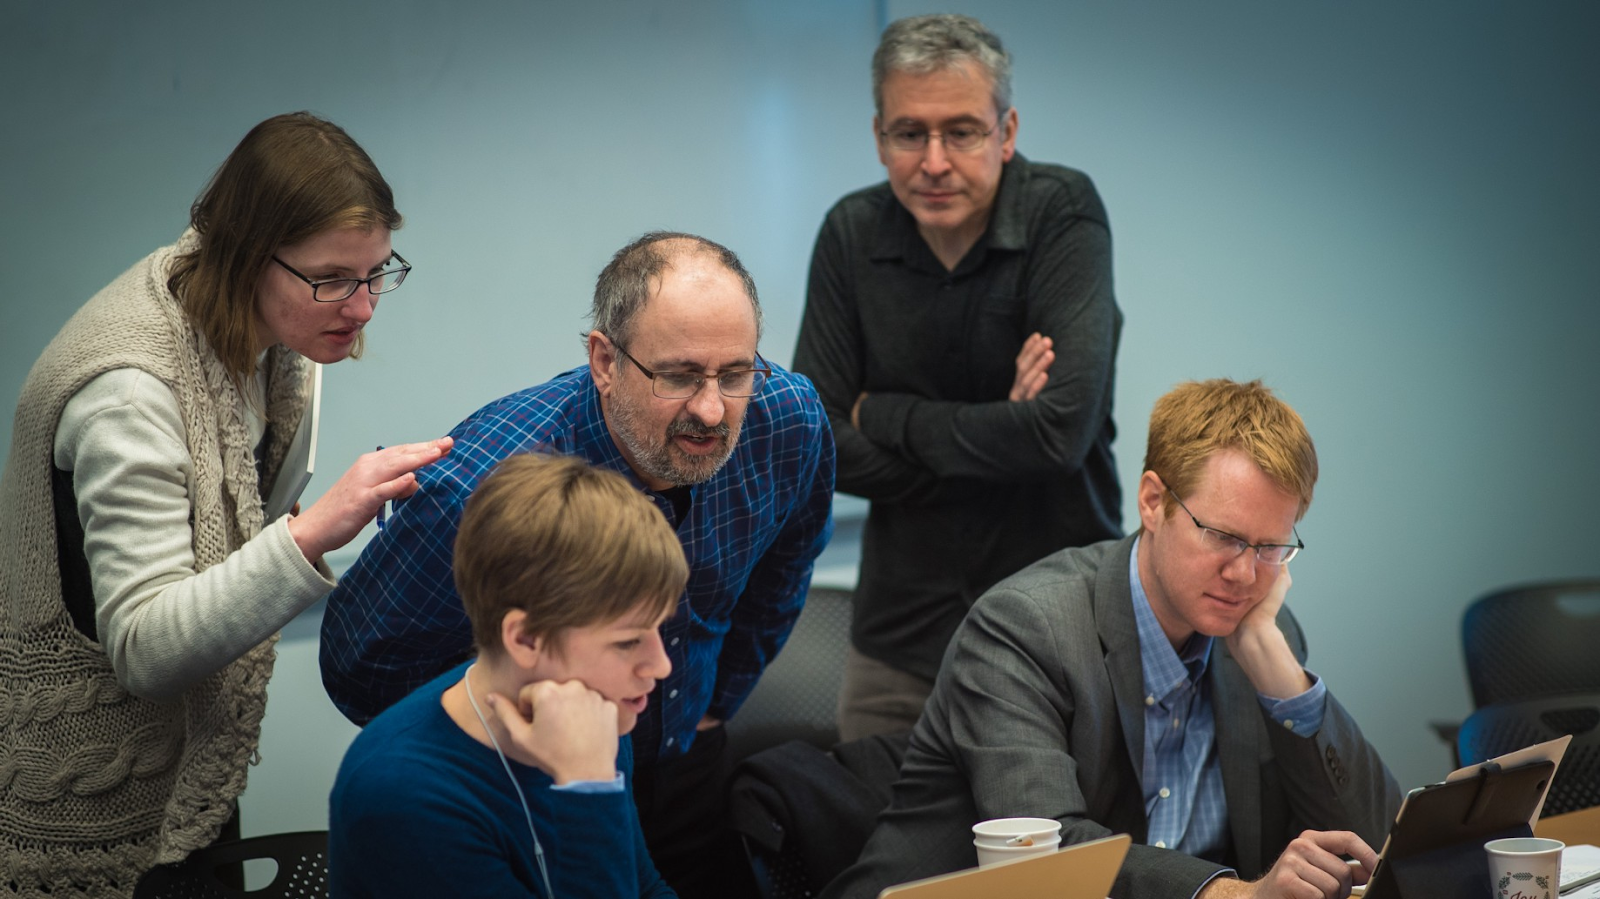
(1386, 210)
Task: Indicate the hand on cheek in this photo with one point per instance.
(565, 729)
(1265, 613)
(1263, 652)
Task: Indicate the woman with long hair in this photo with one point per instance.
(142, 582)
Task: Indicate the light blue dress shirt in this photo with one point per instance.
(1181, 774)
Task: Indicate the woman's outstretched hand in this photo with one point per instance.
(353, 500)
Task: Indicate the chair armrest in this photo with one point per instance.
(1448, 731)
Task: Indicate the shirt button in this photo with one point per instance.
(1165, 793)
(1161, 844)
(674, 642)
(672, 694)
(1288, 723)
(1177, 723)
(671, 740)
(1149, 700)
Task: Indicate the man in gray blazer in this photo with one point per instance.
(1154, 686)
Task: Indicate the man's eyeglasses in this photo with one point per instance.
(1224, 542)
(914, 138)
(334, 290)
(677, 385)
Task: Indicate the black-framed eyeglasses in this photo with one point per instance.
(914, 138)
(334, 290)
(1224, 542)
(677, 385)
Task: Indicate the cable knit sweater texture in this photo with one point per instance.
(96, 784)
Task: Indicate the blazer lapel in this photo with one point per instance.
(1119, 638)
(1238, 720)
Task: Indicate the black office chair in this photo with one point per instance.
(1506, 726)
(781, 739)
(798, 695)
(1529, 641)
(302, 860)
(1533, 640)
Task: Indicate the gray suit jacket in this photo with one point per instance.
(1038, 711)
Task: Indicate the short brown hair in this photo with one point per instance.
(294, 176)
(1198, 418)
(570, 544)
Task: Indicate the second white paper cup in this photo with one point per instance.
(1529, 867)
(994, 839)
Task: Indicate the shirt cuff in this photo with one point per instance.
(315, 580)
(614, 785)
(1222, 872)
(1301, 714)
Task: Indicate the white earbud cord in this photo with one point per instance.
(538, 850)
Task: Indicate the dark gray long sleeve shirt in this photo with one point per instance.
(966, 486)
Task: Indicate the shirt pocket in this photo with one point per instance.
(995, 333)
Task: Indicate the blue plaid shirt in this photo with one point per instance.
(751, 534)
(1182, 776)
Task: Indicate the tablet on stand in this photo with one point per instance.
(1435, 846)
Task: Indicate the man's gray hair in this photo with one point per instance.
(624, 283)
(923, 44)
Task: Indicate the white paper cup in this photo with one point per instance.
(1008, 839)
(994, 855)
(1524, 867)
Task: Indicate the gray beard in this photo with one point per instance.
(657, 458)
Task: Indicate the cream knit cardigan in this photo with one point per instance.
(97, 785)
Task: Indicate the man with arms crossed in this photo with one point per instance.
(961, 330)
(734, 451)
(1154, 686)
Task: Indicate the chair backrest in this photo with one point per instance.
(1531, 641)
(1503, 727)
(302, 860)
(798, 695)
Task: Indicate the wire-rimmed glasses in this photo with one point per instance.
(1224, 542)
(961, 138)
(334, 290)
(677, 385)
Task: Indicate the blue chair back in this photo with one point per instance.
(1506, 726)
(1534, 640)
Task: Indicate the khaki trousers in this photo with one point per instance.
(878, 699)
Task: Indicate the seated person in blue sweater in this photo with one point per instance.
(508, 776)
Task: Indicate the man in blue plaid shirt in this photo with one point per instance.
(734, 451)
